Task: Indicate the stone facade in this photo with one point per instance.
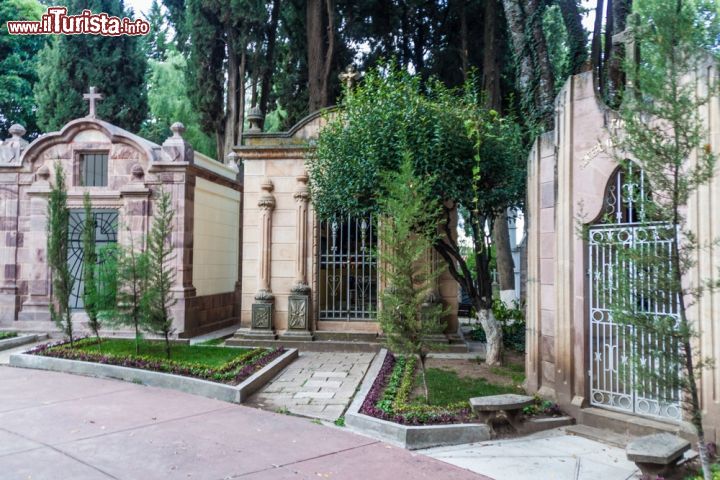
(281, 239)
(568, 176)
(206, 196)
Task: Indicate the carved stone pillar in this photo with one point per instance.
(262, 308)
(299, 299)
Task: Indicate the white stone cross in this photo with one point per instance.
(92, 96)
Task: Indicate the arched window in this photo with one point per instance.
(626, 196)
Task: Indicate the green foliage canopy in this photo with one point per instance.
(388, 115)
(70, 64)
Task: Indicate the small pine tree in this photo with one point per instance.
(131, 267)
(58, 240)
(407, 233)
(161, 277)
(90, 284)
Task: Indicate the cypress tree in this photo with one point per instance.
(71, 63)
(90, 289)
(58, 240)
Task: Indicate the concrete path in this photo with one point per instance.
(317, 385)
(57, 426)
(550, 455)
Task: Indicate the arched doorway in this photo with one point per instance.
(613, 345)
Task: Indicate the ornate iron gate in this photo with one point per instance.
(613, 346)
(348, 270)
(105, 233)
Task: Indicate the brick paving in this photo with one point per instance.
(318, 385)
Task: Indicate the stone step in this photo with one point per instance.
(631, 425)
(324, 335)
(601, 435)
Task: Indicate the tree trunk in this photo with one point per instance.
(241, 93)
(424, 378)
(503, 256)
(493, 335)
(167, 344)
(491, 65)
(231, 100)
(595, 49)
(319, 57)
(271, 36)
(516, 23)
(464, 54)
(545, 92)
(614, 63)
(608, 48)
(577, 54)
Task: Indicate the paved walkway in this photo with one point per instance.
(550, 455)
(318, 385)
(57, 426)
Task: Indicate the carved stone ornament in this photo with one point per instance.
(262, 316)
(298, 312)
(175, 148)
(12, 148)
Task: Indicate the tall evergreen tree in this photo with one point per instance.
(71, 63)
(155, 43)
(158, 296)
(58, 225)
(90, 284)
(18, 67)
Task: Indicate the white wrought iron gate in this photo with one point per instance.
(614, 346)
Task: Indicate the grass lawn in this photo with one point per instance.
(6, 335)
(445, 387)
(210, 356)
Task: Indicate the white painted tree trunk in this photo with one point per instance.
(493, 334)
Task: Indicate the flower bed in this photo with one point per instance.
(388, 398)
(6, 335)
(231, 373)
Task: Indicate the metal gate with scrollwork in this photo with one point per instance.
(348, 270)
(615, 346)
(105, 233)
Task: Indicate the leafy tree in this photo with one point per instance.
(90, 284)
(132, 309)
(407, 232)
(664, 133)
(69, 64)
(169, 103)
(58, 241)
(161, 276)
(475, 158)
(17, 67)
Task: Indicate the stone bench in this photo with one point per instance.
(656, 454)
(488, 408)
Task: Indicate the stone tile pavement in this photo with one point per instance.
(551, 455)
(317, 384)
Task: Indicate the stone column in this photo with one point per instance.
(32, 257)
(299, 299)
(262, 309)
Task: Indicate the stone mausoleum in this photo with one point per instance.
(248, 250)
(576, 353)
(123, 174)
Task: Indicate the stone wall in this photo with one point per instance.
(568, 171)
